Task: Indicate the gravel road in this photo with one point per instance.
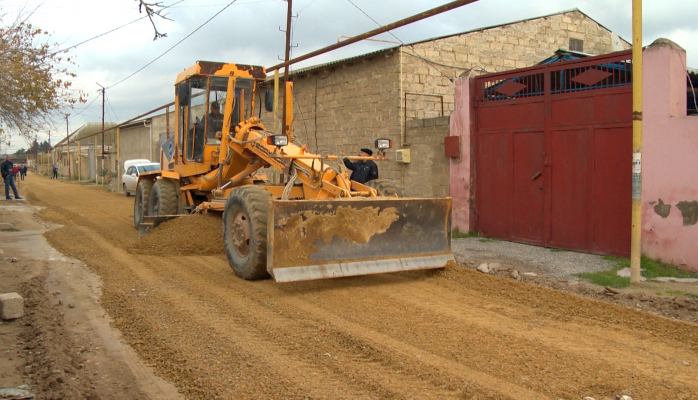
(540, 260)
(452, 333)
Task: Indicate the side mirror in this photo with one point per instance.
(183, 94)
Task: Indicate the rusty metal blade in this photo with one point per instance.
(321, 239)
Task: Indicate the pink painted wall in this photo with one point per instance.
(669, 159)
(460, 168)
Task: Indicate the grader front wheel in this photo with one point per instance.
(140, 205)
(386, 188)
(245, 231)
(163, 198)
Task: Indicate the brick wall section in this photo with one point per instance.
(504, 48)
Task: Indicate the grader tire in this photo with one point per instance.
(387, 188)
(245, 231)
(163, 198)
(140, 205)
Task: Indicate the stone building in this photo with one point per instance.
(347, 104)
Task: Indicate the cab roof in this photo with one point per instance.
(222, 69)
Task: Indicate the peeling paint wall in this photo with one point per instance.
(669, 160)
(460, 167)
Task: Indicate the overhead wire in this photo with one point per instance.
(176, 44)
(413, 54)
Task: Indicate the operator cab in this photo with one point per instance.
(201, 103)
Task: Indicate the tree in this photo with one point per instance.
(153, 10)
(35, 81)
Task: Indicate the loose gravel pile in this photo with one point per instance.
(191, 235)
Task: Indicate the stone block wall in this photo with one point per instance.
(343, 108)
(503, 48)
(428, 173)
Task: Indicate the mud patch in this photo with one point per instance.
(689, 211)
(662, 209)
(297, 235)
(190, 235)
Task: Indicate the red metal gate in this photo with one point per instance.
(552, 153)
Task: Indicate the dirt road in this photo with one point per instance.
(439, 334)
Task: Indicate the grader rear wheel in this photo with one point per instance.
(387, 188)
(245, 231)
(140, 205)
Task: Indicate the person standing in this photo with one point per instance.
(362, 170)
(8, 174)
(23, 171)
(55, 172)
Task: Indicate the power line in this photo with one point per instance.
(176, 44)
(112, 109)
(414, 54)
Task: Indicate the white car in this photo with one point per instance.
(133, 169)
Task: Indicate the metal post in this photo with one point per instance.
(103, 94)
(67, 132)
(118, 154)
(276, 100)
(79, 162)
(636, 234)
(286, 126)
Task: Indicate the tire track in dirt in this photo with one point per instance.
(274, 332)
(444, 334)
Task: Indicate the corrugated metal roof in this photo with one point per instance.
(331, 63)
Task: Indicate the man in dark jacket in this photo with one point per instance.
(362, 170)
(8, 174)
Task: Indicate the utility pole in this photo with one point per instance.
(103, 90)
(636, 233)
(67, 132)
(286, 128)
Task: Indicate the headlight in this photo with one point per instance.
(383, 144)
(277, 140)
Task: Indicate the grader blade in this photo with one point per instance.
(320, 239)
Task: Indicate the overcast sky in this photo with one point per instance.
(248, 32)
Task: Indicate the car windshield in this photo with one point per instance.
(148, 168)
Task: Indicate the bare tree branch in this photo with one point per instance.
(153, 10)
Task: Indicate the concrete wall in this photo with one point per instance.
(427, 175)
(669, 159)
(343, 109)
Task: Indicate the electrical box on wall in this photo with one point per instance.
(452, 146)
(402, 156)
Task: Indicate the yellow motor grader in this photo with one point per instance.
(315, 224)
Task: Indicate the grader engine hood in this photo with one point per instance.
(321, 239)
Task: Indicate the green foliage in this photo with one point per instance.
(681, 293)
(608, 278)
(456, 234)
(649, 269)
